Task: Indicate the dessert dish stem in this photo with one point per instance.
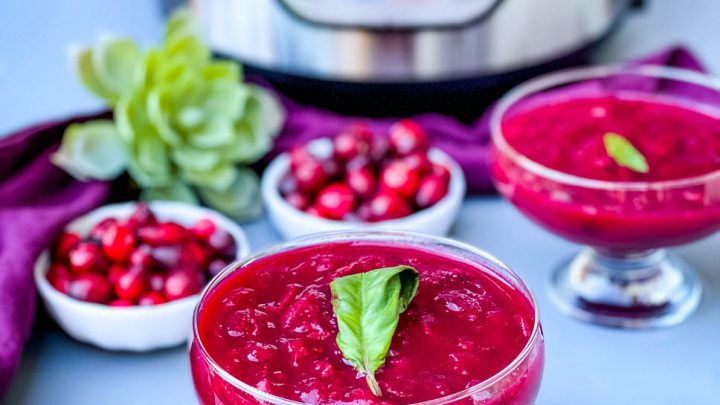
(629, 290)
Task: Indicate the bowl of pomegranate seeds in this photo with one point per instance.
(127, 276)
(357, 180)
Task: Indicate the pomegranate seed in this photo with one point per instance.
(131, 284)
(85, 257)
(298, 200)
(151, 298)
(114, 273)
(419, 161)
(142, 257)
(441, 171)
(310, 176)
(348, 145)
(118, 242)
(156, 281)
(91, 287)
(432, 189)
(400, 178)
(181, 284)
(141, 216)
(203, 229)
(120, 302)
(64, 244)
(98, 231)
(223, 244)
(388, 205)
(406, 137)
(164, 234)
(335, 201)
(59, 277)
(216, 266)
(361, 181)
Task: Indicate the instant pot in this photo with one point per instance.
(397, 57)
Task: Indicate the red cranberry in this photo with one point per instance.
(168, 257)
(379, 149)
(361, 181)
(298, 156)
(85, 257)
(118, 242)
(223, 244)
(181, 284)
(114, 273)
(298, 200)
(360, 162)
(142, 215)
(98, 231)
(347, 145)
(151, 298)
(120, 302)
(335, 201)
(194, 253)
(407, 137)
(156, 281)
(131, 284)
(419, 161)
(164, 234)
(388, 205)
(441, 171)
(216, 266)
(310, 176)
(91, 287)
(142, 257)
(64, 244)
(314, 211)
(203, 228)
(59, 277)
(287, 184)
(400, 178)
(432, 189)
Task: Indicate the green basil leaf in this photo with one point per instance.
(367, 307)
(624, 153)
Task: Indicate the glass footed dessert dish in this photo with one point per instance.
(624, 160)
(270, 330)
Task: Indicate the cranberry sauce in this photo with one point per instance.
(271, 325)
(567, 136)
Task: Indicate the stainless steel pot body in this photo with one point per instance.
(501, 36)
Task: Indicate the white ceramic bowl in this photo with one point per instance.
(291, 222)
(129, 328)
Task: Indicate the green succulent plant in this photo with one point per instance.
(184, 123)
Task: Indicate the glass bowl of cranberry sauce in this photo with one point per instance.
(552, 159)
(264, 330)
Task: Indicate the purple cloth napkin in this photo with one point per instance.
(37, 199)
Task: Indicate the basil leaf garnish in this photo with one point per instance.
(624, 153)
(367, 307)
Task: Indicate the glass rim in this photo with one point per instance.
(568, 76)
(376, 236)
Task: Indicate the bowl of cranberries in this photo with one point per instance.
(360, 180)
(127, 276)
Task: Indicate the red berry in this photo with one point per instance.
(361, 181)
(59, 277)
(64, 244)
(287, 184)
(114, 273)
(151, 298)
(91, 287)
(118, 242)
(85, 257)
(164, 234)
(203, 229)
(131, 284)
(142, 215)
(156, 282)
(181, 284)
(216, 266)
(298, 200)
(335, 201)
(419, 161)
(388, 205)
(120, 302)
(223, 244)
(193, 253)
(98, 231)
(441, 171)
(314, 211)
(406, 137)
(310, 176)
(168, 257)
(400, 178)
(379, 149)
(142, 257)
(348, 145)
(298, 156)
(432, 189)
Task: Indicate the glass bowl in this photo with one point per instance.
(624, 278)
(517, 384)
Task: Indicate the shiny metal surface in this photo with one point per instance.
(512, 35)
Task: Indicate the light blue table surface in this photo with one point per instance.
(586, 365)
